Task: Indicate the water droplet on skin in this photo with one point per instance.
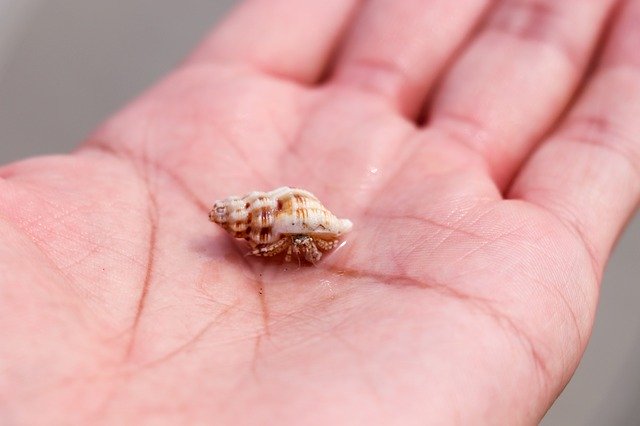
(327, 283)
(337, 249)
(373, 170)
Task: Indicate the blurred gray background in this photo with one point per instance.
(65, 65)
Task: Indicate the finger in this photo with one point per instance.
(516, 78)
(588, 173)
(287, 38)
(397, 48)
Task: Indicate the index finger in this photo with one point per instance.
(287, 38)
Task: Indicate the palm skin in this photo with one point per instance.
(450, 302)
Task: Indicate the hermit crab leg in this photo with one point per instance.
(325, 245)
(311, 252)
(272, 249)
(287, 258)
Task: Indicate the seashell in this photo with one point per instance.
(286, 218)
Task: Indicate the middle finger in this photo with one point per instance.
(397, 48)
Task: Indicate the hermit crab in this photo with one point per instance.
(285, 219)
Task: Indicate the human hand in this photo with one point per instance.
(467, 290)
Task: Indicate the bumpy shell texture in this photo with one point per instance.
(265, 218)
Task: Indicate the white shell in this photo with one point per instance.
(277, 220)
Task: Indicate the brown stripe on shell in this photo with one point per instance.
(265, 217)
(237, 226)
(285, 205)
(301, 214)
(265, 233)
(299, 199)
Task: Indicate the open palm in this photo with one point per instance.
(467, 290)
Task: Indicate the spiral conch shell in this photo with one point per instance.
(286, 218)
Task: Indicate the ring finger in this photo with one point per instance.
(516, 77)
